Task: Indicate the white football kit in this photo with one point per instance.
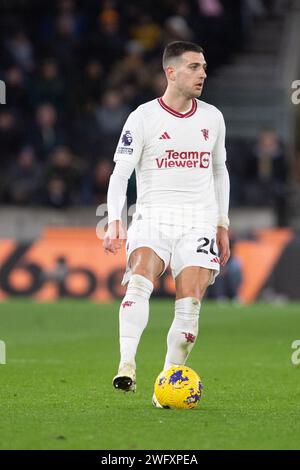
(182, 183)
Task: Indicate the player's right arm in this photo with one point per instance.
(127, 155)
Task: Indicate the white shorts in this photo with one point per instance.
(178, 246)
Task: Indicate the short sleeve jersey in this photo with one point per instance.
(174, 154)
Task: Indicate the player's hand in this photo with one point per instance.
(223, 245)
(114, 237)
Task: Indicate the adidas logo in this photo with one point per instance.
(164, 136)
(215, 260)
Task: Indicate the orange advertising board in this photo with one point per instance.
(70, 262)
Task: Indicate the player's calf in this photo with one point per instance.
(183, 332)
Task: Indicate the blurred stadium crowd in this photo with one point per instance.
(74, 70)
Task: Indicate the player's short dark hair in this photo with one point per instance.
(177, 48)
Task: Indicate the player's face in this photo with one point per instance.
(190, 74)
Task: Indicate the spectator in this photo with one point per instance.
(107, 42)
(210, 8)
(57, 194)
(46, 133)
(64, 44)
(17, 90)
(24, 179)
(147, 33)
(93, 81)
(101, 175)
(85, 134)
(11, 136)
(131, 69)
(177, 29)
(159, 84)
(20, 49)
(267, 174)
(111, 115)
(49, 87)
(263, 8)
(63, 177)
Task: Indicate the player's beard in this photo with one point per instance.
(195, 94)
(198, 93)
(191, 93)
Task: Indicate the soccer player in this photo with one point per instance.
(176, 145)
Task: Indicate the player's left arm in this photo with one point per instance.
(222, 189)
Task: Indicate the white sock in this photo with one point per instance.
(183, 332)
(133, 316)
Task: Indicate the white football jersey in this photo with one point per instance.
(174, 155)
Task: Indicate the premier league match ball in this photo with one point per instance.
(178, 387)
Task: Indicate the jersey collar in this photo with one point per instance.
(176, 113)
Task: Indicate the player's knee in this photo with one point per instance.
(143, 271)
(146, 263)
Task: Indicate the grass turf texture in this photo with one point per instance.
(56, 390)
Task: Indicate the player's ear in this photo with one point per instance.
(170, 73)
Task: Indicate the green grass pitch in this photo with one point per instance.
(56, 390)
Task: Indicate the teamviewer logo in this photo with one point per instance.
(2, 92)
